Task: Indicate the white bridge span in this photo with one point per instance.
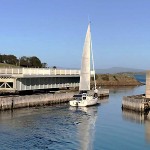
(22, 79)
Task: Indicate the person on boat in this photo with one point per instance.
(96, 93)
(81, 92)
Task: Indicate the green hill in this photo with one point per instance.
(4, 65)
(115, 80)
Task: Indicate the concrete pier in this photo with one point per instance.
(136, 103)
(148, 84)
(16, 101)
(103, 92)
(13, 102)
(139, 102)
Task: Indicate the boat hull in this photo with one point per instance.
(83, 103)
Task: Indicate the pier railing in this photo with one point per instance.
(38, 71)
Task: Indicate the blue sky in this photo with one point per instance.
(54, 31)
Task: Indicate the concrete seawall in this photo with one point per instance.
(16, 101)
(13, 102)
(136, 103)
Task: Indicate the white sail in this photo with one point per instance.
(85, 66)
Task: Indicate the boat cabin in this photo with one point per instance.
(80, 96)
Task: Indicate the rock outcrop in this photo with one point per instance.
(115, 80)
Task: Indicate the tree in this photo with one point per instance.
(54, 67)
(35, 62)
(4, 58)
(25, 61)
(1, 60)
(9, 59)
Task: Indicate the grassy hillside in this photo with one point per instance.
(116, 80)
(3, 65)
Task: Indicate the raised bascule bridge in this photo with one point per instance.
(28, 79)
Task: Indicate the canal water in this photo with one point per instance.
(101, 127)
(140, 77)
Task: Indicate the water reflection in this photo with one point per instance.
(86, 127)
(64, 127)
(147, 127)
(124, 89)
(49, 127)
(104, 100)
(140, 118)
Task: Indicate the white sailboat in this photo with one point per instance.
(83, 99)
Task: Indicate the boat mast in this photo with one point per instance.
(93, 62)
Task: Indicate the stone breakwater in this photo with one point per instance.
(115, 80)
(13, 102)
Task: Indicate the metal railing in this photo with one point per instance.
(37, 71)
